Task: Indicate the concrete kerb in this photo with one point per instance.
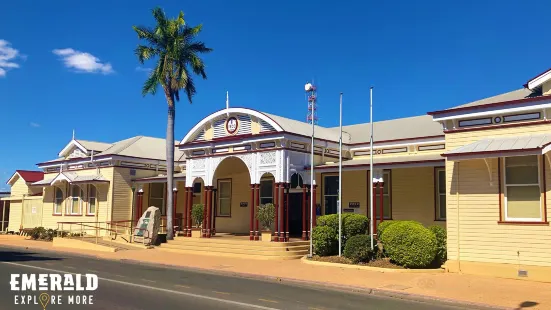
(305, 260)
(383, 293)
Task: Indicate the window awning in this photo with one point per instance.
(72, 178)
(390, 162)
(160, 178)
(498, 147)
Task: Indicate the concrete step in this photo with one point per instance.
(234, 241)
(239, 249)
(231, 254)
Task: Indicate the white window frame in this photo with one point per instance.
(386, 175)
(90, 197)
(330, 195)
(220, 198)
(60, 205)
(516, 219)
(439, 194)
(260, 189)
(72, 199)
(163, 199)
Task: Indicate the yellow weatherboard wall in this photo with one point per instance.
(477, 243)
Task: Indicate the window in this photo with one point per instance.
(440, 191)
(92, 200)
(522, 189)
(331, 193)
(75, 201)
(197, 188)
(266, 191)
(387, 207)
(157, 196)
(224, 198)
(58, 200)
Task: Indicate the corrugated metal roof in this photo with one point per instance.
(385, 160)
(508, 144)
(179, 175)
(94, 145)
(509, 96)
(303, 128)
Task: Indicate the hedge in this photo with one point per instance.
(358, 249)
(352, 224)
(409, 244)
(324, 240)
(385, 224)
(441, 244)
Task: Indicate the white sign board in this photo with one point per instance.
(33, 210)
(377, 175)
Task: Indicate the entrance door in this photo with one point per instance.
(295, 214)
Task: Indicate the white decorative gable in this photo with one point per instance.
(76, 153)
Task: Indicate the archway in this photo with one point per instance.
(297, 200)
(231, 203)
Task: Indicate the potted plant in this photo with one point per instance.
(265, 216)
(197, 217)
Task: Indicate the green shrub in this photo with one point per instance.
(385, 224)
(441, 244)
(265, 215)
(409, 244)
(358, 248)
(197, 211)
(324, 240)
(352, 225)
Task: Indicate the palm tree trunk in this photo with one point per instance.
(170, 167)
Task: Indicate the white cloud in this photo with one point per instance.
(33, 124)
(142, 69)
(7, 56)
(83, 62)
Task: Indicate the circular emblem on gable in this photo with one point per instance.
(232, 125)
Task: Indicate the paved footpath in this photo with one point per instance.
(506, 293)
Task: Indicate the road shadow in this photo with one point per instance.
(20, 256)
(526, 305)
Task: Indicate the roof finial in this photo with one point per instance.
(73, 134)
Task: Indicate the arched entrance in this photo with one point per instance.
(297, 211)
(231, 204)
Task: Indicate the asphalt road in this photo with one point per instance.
(125, 285)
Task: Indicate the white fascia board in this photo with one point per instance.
(493, 155)
(71, 144)
(398, 144)
(215, 115)
(68, 162)
(538, 81)
(381, 166)
(526, 107)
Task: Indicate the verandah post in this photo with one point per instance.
(304, 212)
(374, 202)
(189, 206)
(209, 209)
(287, 206)
(276, 215)
(174, 202)
(252, 208)
(257, 190)
(381, 192)
(204, 233)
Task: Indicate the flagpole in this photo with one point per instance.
(371, 215)
(340, 176)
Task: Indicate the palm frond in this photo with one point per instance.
(151, 84)
(145, 53)
(190, 89)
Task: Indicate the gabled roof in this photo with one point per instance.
(94, 145)
(303, 128)
(538, 80)
(28, 176)
(138, 147)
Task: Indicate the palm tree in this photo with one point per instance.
(174, 45)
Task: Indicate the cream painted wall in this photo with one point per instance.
(546, 88)
(234, 169)
(474, 233)
(412, 194)
(16, 209)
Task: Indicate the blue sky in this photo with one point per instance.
(419, 55)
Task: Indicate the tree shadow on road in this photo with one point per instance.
(19, 256)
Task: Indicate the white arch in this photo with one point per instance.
(243, 158)
(214, 115)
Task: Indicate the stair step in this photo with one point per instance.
(206, 248)
(187, 240)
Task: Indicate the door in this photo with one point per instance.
(5, 214)
(32, 213)
(295, 214)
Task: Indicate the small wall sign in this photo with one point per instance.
(354, 204)
(243, 204)
(348, 211)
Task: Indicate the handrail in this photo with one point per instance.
(87, 225)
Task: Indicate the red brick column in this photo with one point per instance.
(276, 216)
(304, 229)
(189, 206)
(174, 201)
(381, 191)
(184, 214)
(209, 209)
(204, 230)
(287, 207)
(256, 231)
(251, 220)
(314, 219)
(374, 202)
(214, 205)
(139, 205)
(281, 198)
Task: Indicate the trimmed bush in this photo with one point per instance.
(324, 240)
(409, 244)
(385, 224)
(41, 233)
(441, 244)
(352, 225)
(197, 214)
(358, 249)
